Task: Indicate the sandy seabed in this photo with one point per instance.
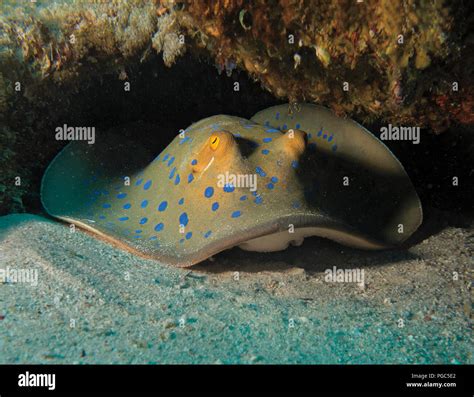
(96, 304)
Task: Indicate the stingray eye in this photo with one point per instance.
(214, 142)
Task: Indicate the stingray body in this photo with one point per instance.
(260, 184)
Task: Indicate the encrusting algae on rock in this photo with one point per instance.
(389, 52)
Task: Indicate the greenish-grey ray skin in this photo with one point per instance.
(174, 211)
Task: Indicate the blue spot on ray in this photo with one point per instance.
(172, 173)
(162, 206)
(243, 198)
(265, 151)
(121, 195)
(123, 219)
(137, 183)
(144, 203)
(190, 178)
(266, 140)
(106, 206)
(194, 162)
(127, 206)
(147, 185)
(229, 188)
(171, 161)
(208, 233)
(189, 235)
(209, 192)
(177, 180)
(184, 140)
(183, 219)
(165, 157)
(236, 214)
(143, 221)
(215, 206)
(181, 201)
(298, 126)
(159, 227)
(260, 171)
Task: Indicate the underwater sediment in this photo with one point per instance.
(279, 310)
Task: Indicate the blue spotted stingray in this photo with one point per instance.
(225, 181)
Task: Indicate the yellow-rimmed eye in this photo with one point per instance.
(214, 142)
